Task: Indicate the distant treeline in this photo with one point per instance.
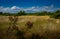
(55, 14)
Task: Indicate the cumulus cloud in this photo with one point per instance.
(12, 9)
(15, 9)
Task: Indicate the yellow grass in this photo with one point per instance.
(41, 24)
(37, 20)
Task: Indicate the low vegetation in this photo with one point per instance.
(22, 25)
(55, 14)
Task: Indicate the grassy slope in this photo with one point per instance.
(41, 23)
(37, 20)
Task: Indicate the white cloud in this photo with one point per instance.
(12, 9)
(15, 9)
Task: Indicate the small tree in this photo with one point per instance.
(44, 13)
(56, 14)
(1, 13)
(58, 11)
(21, 13)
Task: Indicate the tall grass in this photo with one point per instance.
(33, 27)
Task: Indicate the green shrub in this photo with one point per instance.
(55, 15)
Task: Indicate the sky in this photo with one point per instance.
(14, 6)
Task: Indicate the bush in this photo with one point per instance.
(56, 16)
(29, 25)
(21, 13)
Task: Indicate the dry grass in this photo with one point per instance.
(42, 25)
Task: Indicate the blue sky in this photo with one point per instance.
(29, 5)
